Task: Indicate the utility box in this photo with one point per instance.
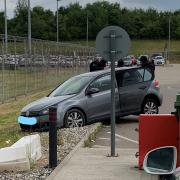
(157, 131)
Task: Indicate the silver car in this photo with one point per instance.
(158, 60)
(87, 98)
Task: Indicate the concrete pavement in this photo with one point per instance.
(93, 164)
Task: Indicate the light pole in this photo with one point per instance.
(57, 18)
(87, 32)
(5, 18)
(169, 43)
(29, 27)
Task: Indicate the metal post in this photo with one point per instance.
(57, 18)
(5, 17)
(3, 73)
(52, 137)
(29, 27)
(15, 68)
(6, 49)
(87, 32)
(26, 67)
(112, 58)
(169, 38)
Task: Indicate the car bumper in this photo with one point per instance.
(36, 122)
(159, 63)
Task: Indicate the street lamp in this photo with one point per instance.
(5, 18)
(169, 43)
(29, 27)
(57, 21)
(87, 32)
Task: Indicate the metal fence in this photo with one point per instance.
(48, 64)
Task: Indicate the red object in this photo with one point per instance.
(133, 60)
(157, 131)
(53, 114)
(156, 83)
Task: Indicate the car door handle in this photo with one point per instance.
(143, 87)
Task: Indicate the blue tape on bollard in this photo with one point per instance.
(27, 120)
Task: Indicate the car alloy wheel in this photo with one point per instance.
(74, 118)
(150, 106)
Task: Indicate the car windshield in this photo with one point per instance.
(158, 57)
(72, 86)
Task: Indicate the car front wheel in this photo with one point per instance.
(74, 118)
(150, 106)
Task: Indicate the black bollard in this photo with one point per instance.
(52, 137)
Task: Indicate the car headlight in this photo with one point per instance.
(45, 112)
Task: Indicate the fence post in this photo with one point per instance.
(15, 73)
(26, 58)
(3, 60)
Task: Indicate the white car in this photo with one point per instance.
(159, 60)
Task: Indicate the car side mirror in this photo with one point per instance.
(92, 91)
(161, 161)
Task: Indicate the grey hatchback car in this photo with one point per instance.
(86, 98)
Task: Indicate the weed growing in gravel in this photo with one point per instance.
(92, 137)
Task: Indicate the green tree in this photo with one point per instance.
(139, 23)
(1, 22)
(19, 24)
(43, 23)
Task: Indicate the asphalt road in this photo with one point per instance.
(126, 136)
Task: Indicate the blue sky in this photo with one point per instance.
(161, 5)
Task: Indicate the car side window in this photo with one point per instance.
(141, 72)
(147, 75)
(132, 77)
(102, 83)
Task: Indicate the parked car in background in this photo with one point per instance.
(129, 60)
(109, 64)
(158, 60)
(153, 55)
(86, 98)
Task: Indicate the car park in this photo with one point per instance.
(86, 98)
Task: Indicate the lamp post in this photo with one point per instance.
(5, 18)
(29, 27)
(57, 20)
(169, 42)
(87, 32)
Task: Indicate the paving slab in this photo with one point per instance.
(93, 164)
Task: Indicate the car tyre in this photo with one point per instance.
(150, 106)
(74, 118)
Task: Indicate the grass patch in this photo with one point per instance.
(92, 137)
(10, 135)
(139, 47)
(9, 128)
(23, 81)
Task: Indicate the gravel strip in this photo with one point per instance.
(67, 140)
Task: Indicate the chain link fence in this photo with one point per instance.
(49, 64)
(174, 57)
